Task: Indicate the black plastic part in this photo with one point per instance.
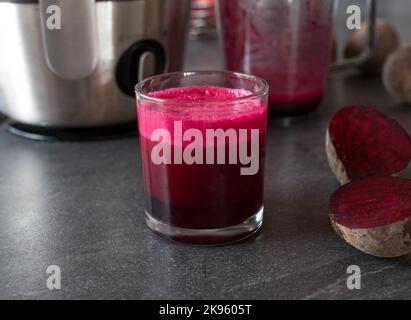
(128, 64)
(73, 134)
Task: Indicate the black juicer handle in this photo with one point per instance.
(127, 73)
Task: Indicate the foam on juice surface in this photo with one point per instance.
(199, 93)
(201, 107)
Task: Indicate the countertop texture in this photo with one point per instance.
(80, 206)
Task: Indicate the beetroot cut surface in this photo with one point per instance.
(371, 202)
(368, 143)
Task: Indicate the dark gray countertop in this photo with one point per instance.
(79, 206)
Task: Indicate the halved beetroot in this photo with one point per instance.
(362, 142)
(374, 215)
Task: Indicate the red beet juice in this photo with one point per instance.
(201, 196)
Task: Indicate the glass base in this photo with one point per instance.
(207, 237)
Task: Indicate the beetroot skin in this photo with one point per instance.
(373, 215)
(362, 142)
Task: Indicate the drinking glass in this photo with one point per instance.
(202, 141)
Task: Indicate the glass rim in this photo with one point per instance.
(260, 93)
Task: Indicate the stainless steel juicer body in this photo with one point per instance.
(134, 39)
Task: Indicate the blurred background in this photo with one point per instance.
(397, 12)
(203, 31)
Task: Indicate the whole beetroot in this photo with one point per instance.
(387, 40)
(397, 74)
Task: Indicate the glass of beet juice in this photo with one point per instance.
(202, 141)
(286, 42)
